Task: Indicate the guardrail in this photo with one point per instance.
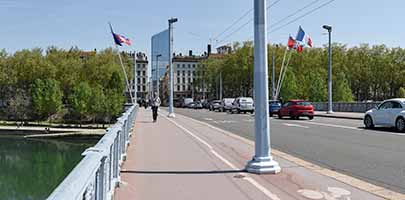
(98, 173)
(345, 107)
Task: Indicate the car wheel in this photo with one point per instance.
(310, 117)
(368, 122)
(400, 124)
(280, 116)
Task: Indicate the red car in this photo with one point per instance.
(296, 109)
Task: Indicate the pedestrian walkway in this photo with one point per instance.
(343, 115)
(186, 159)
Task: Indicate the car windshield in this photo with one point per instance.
(246, 100)
(228, 100)
(303, 103)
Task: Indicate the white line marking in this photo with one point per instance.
(295, 125)
(249, 179)
(331, 125)
(261, 188)
(190, 133)
(224, 160)
(208, 119)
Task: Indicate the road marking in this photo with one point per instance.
(208, 119)
(295, 125)
(331, 125)
(249, 179)
(334, 193)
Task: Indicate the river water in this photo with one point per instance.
(32, 169)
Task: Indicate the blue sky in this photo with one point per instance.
(66, 23)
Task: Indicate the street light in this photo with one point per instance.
(171, 111)
(157, 74)
(262, 161)
(330, 108)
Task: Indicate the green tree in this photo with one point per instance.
(401, 93)
(46, 97)
(289, 88)
(80, 99)
(341, 89)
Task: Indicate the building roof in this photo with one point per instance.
(179, 58)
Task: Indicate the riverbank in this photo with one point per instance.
(50, 132)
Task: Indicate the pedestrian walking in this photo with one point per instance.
(155, 106)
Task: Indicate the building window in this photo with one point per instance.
(143, 66)
(189, 80)
(193, 65)
(184, 73)
(139, 80)
(144, 88)
(178, 73)
(139, 88)
(138, 73)
(184, 66)
(178, 66)
(189, 66)
(178, 80)
(144, 73)
(193, 73)
(138, 66)
(189, 73)
(193, 80)
(144, 80)
(184, 80)
(178, 87)
(184, 87)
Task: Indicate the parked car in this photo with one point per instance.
(274, 107)
(296, 108)
(243, 105)
(390, 113)
(187, 101)
(215, 105)
(226, 104)
(195, 105)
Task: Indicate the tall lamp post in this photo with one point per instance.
(171, 22)
(262, 161)
(157, 74)
(330, 108)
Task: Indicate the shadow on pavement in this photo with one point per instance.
(184, 172)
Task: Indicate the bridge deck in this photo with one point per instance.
(186, 159)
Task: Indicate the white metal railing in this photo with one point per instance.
(98, 173)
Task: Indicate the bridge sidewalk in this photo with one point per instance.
(185, 159)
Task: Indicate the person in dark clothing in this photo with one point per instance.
(155, 106)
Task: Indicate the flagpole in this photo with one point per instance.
(281, 72)
(125, 74)
(284, 72)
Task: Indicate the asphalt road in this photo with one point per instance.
(375, 156)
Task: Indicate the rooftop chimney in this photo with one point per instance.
(190, 53)
(209, 49)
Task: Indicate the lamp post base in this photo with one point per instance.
(171, 115)
(263, 165)
(329, 112)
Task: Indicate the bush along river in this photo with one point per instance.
(31, 169)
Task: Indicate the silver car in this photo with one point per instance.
(243, 105)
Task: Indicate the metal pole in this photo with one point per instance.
(273, 74)
(125, 73)
(330, 110)
(157, 75)
(220, 85)
(171, 111)
(262, 161)
(135, 81)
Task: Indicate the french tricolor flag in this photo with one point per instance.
(119, 39)
(303, 38)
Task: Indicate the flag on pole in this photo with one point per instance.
(291, 42)
(119, 39)
(302, 40)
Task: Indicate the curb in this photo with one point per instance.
(339, 117)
